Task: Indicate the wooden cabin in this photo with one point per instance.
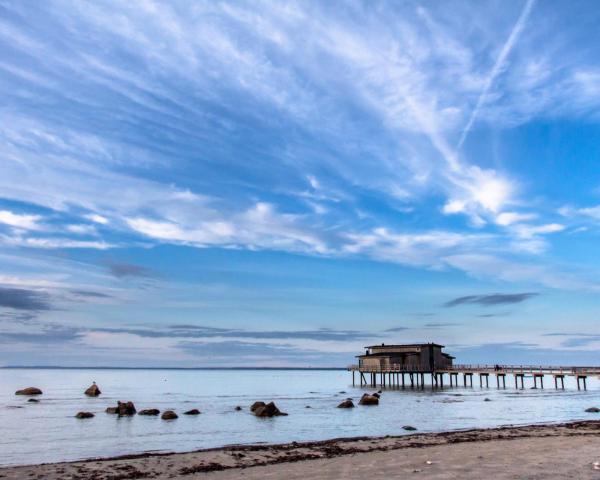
(419, 357)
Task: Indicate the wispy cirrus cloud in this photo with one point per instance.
(492, 299)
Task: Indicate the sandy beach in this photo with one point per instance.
(567, 450)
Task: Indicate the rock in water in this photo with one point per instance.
(410, 428)
(29, 391)
(33, 400)
(93, 390)
(346, 404)
(593, 410)
(238, 408)
(112, 410)
(193, 411)
(84, 415)
(150, 411)
(260, 409)
(256, 405)
(169, 415)
(126, 408)
(367, 399)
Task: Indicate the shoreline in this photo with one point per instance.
(237, 458)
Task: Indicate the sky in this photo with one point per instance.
(191, 184)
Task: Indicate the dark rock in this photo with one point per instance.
(33, 400)
(377, 395)
(84, 415)
(367, 399)
(308, 406)
(29, 391)
(125, 409)
(112, 410)
(256, 405)
(238, 408)
(593, 410)
(346, 404)
(193, 411)
(486, 400)
(150, 411)
(342, 391)
(169, 415)
(410, 428)
(260, 409)
(93, 390)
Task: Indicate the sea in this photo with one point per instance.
(47, 431)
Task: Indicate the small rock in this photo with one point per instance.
(308, 406)
(93, 390)
(84, 415)
(486, 400)
(125, 409)
(33, 400)
(592, 410)
(260, 409)
(342, 391)
(377, 395)
(193, 411)
(238, 408)
(112, 410)
(409, 428)
(346, 404)
(367, 399)
(29, 391)
(149, 411)
(169, 415)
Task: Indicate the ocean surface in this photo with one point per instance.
(48, 432)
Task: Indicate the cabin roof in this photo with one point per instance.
(406, 345)
(386, 354)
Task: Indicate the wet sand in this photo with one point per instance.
(568, 450)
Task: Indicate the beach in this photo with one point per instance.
(566, 450)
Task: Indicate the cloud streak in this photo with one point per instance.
(491, 300)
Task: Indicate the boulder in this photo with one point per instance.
(93, 390)
(410, 428)
(84, 415)
(150, 411)
(112, 410)
(125, 409)
(367, 399)
(593, 410)
(33, 400)
(260, 409)
(376, 395)
(193, 411)
(346, 404)
(169, 415)
(29, 391)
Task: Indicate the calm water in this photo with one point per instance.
(47, 431)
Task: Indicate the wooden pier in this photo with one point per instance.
(401, 376)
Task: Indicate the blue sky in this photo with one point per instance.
(282, 183)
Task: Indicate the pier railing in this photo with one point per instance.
(483, 368)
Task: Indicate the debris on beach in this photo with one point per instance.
(84, 415)
(93, 390)
(368, 399)
(260, 409)
(346, 404)
(29, 391)
(193, 411)
(149, 411)
(169, 415)
(592, 410)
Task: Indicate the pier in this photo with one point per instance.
(415, 377)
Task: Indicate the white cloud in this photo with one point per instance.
(26, 222)
(94, 217)
(508, 218)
